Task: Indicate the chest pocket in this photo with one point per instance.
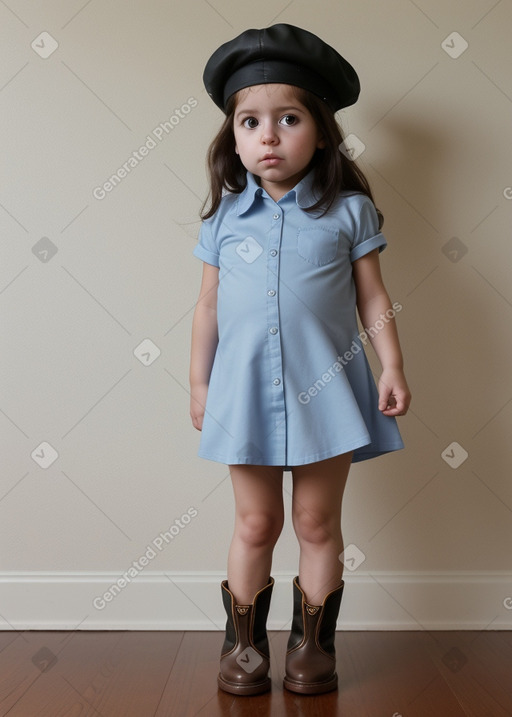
(318, 245)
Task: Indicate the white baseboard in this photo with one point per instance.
(192, 601)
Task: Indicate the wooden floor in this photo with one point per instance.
(173, 674)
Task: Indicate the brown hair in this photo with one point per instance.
(334, 171)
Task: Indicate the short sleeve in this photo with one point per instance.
(206, 247)
(367, 235)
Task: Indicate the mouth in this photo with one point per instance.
(271, 159)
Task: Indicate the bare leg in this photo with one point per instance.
(316, 514)
(259, 517)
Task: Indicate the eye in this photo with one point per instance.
(288, 120)
(250, 122)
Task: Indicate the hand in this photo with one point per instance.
(197, 404)
(394, 393)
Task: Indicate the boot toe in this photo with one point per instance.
(243, 688)
(304, 687)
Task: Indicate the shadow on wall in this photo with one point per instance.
(443, 224)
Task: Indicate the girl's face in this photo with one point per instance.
(276, 136)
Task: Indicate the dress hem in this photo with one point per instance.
(314, 458)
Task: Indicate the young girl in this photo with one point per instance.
(279, 378)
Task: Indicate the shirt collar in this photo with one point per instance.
(248, 196)
(302, 192)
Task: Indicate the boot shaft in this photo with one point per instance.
(311, 655)
(251, 620)
(245, 654)
(317, 622)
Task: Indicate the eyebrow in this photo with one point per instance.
(285, 108)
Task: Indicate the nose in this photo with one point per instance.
(268, 134)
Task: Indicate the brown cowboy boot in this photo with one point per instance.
(245, 657)
(310, 656)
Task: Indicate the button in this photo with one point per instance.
(276, 216)
(276, 381)
(271, 292)
(273, 330)
(273, 252)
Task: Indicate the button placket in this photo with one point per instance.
(278, 413)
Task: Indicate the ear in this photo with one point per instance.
(236, 150)
(321, 143)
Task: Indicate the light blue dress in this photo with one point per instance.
(290, 383)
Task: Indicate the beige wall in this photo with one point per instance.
(437, 136)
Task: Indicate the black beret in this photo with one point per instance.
(282, 54)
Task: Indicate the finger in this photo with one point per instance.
(384, 397)
(388, 403)
(197, 422)
(392, 412)
(400, 402)
(398, 407)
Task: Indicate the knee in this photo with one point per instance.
(316, 527)
(259, 529)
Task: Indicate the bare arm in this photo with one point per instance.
(372, 303)
(204, 343)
